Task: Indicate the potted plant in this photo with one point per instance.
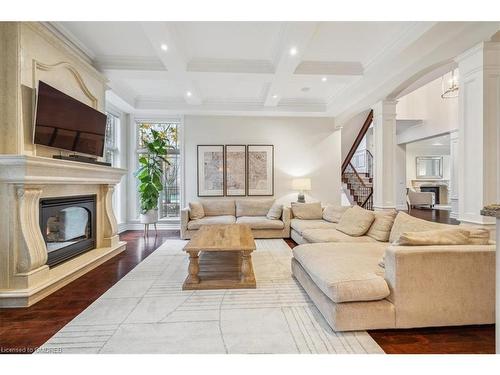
(150, 174)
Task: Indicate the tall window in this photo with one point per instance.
(170, 197)
(110, 146)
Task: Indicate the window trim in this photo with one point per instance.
(179, 120)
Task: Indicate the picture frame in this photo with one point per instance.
(260, 170)
(210, 170)
(235, 160)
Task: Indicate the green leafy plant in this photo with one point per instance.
(150, 171)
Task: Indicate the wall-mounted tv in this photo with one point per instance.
(66, 123)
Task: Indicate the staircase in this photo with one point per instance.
(357, 185)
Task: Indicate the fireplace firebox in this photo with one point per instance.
(68, 226)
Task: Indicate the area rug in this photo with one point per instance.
(148, 312)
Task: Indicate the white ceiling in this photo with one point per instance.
(243, 67)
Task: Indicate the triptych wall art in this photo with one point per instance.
(235, 170)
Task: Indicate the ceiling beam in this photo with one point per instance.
(129, 63)
(173, 59)
(326, 68)
(293, 35)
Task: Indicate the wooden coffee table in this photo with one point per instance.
(220, 257)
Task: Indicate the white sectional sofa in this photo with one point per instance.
(359, 282)
(252, 212)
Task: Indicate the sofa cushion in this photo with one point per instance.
(217, 207)
(253, 207)
(434, 237)
(196, 210)
(333, 213)
(208, 220)
(307, 211)
(356, 221)
(260, 222)
(406, 223)
(332, 235)
(382, 225)
(300, 225)
(275, 212)
(345, 273)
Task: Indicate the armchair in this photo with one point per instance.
(419, 198)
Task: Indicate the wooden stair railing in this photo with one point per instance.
(357, 141)
(360, 191)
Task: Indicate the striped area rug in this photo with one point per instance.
(148, 312)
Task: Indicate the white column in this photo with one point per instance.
(479, 120)
(497, 307)
(454, 166)
(384, 155)
(479, 123)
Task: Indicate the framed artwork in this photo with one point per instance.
(236, 170)
(260, 170)
(210, 170)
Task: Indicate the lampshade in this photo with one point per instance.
(301, 184)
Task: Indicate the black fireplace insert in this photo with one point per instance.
(68, 226)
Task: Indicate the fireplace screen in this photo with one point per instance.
(68, 226)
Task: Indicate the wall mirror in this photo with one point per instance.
(429, 167)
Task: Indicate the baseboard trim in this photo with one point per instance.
(138, 226)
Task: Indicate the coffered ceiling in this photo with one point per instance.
(267, 68)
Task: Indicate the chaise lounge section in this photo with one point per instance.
(370, 284)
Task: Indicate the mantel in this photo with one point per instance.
(23, 169)
(26, 277)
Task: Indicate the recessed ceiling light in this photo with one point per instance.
(293, 51)
(324, 79)
(189, 94)
(164, 47)
(275, 96)
(437, 144)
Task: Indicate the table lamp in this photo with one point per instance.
(301, 184)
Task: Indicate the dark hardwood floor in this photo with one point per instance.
(22, 330)
(439, 216)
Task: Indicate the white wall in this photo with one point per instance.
(303, 147)
(438, 115)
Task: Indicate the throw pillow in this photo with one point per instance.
(406, 223)
(382, 225)
(434, 237)
(196, 210)
(478, 236)
(356, 221)
(275, 212)
(333, 213)
(307, 211)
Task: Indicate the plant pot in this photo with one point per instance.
(149, 217)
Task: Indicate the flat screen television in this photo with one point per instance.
(66, 123)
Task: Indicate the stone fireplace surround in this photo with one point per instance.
(24, 276)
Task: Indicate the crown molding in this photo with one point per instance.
(70, 40)
(235, 106)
